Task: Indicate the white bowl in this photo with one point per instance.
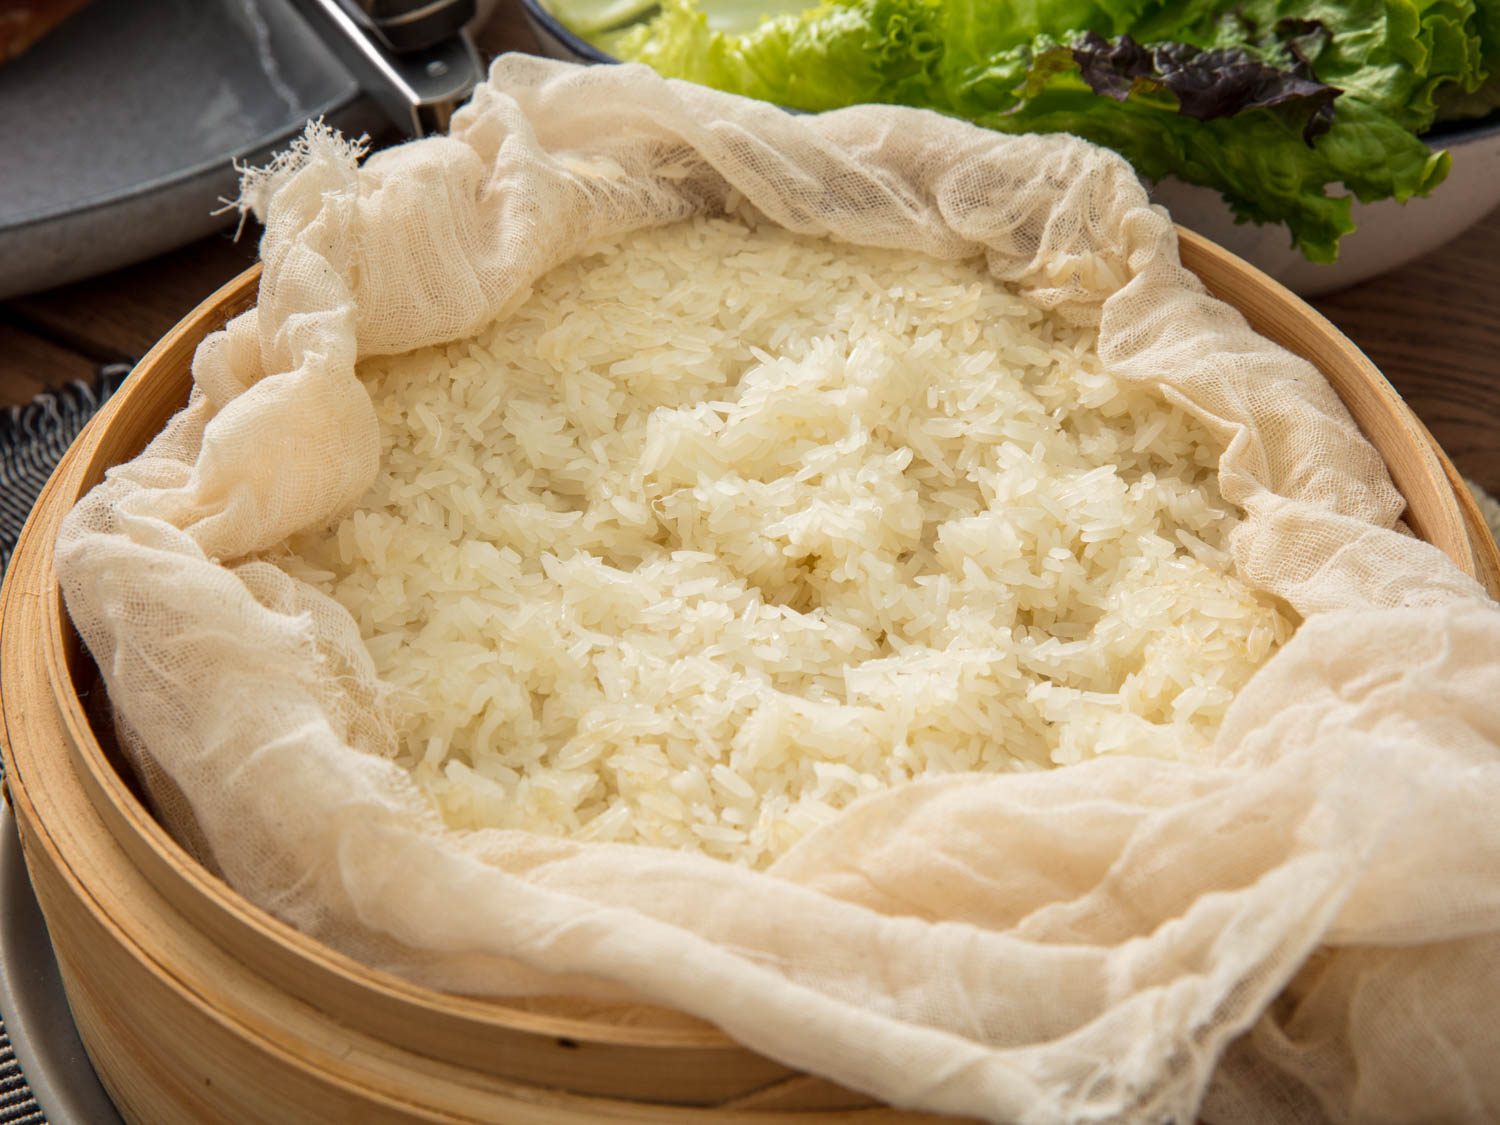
(1387, 234)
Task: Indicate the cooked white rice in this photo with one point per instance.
(724, 528)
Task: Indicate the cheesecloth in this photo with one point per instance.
(1303, 926)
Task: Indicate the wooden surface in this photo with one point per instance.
(1433, 327)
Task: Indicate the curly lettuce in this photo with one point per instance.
(1288, 110)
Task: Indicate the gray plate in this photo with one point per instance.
(118, 131)
(31, 998)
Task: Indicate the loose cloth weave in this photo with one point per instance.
(1303, 926)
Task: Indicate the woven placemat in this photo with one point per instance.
(33, 439)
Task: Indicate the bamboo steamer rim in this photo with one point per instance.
(1440, 510)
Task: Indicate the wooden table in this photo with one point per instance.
(1432, 327)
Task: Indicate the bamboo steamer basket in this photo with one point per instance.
(196, 1006)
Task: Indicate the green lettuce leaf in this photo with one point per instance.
(1281, 107)
(1457, 102)
(1396, 56)
(825, 58)
(1257, 159)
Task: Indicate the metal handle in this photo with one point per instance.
(412, 25)
(418, 90)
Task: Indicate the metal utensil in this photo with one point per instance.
(411, 25)
(395, 51)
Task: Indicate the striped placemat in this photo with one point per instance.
(33, 439)
(17, 1106)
